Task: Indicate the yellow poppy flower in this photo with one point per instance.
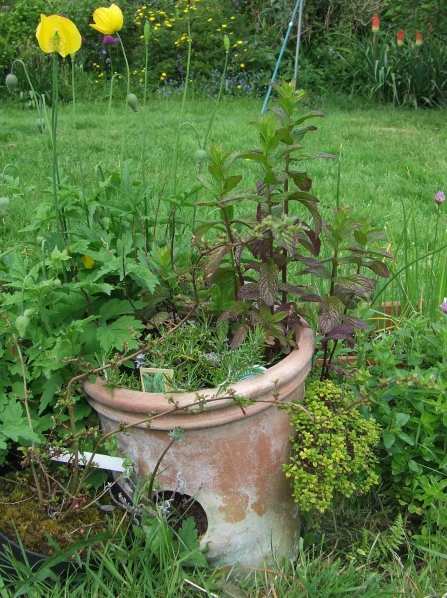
(87, 261)
(58, 34)
(108, 20)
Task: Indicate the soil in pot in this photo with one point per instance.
(182, 506)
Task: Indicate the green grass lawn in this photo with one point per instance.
(393, 162)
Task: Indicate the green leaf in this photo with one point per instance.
(268, 282)
(355, 283)
(414, 467)
(301, 179)
(216, 172)
(400, 419)
(143, 276)
(255, 155)
(378, 267)
(115, 307)
(388, 439)
(202, 229)
(50, 388)
(92, 288)
(19, 429)
(406, 438)
(188, 533)
(329, 313)
(116, 334)
(231, 182)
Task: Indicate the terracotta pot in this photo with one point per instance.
(229, 460)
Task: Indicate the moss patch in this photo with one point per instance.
(20, 514)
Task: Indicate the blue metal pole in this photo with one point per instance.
(278, 62)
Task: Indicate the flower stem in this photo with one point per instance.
(108, 113)
(53, 135)
(78, 147)
(143, 153)
(177, 139)
(127, 66)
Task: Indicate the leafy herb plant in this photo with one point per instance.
(332, 449)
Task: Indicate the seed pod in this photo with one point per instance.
(29, 312)
(133, 102)
(105, 222)
(11, 82)
(40, 125)
(21, 324)
(226, 43)
(57, 282)
(147, 32)
(4, 203)
(200, 156)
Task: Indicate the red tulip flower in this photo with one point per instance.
(375, 24)
(419, 39)
(400, 37)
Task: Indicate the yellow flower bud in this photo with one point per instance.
(87, 261)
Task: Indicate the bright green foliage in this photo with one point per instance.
(17, 26)
(413, 413)
(382, 544)
(334, 452)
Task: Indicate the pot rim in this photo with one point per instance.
(131, 406)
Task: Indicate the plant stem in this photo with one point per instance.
(143, 156)
(127, 65)
(108, 113)
(157, 465)
(28, 416)
(222, 81)
(53, 134)
(177, 139)
(78, 147)
(27, 78)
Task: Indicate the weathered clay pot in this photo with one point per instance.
(229, 460)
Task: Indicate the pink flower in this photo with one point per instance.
(440, 197)
(443, 306)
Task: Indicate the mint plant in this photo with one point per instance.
(255, 262)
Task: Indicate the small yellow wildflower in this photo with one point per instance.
(87, 261)
(242, 65)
